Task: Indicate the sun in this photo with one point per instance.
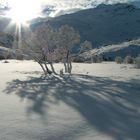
(23, 11)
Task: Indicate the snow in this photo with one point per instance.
(122, 49)
(97, 102)
(103, 25)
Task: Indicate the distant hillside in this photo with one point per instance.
(103, 25)
(111, 51)
(5, 25)
(7, 30)
(6, 40)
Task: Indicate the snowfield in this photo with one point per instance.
(97, 102)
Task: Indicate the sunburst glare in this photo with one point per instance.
(22, 11)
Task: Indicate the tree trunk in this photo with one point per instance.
(66, 62)
(45, 72)
(65, 65)
(69, 64)
(69, 67)
(52, 67)
(91, 58)
(68, 52)
(47, 69)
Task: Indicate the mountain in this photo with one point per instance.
(103, 25)
(109, 52)
(7, 31)
(62, 7)
(136, 3)
(6, 40)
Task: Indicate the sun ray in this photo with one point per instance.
(22, 11)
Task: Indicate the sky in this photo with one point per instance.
(70, 3)
(60, 6)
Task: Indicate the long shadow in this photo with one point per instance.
(112, 107)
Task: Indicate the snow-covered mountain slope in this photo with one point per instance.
(103, 25)
(136, 3)
(111, 51)
(5, 25)
(3, 51)
(6, 40)
(55, 7)
(7, 53)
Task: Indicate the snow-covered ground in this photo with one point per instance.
(97, 102)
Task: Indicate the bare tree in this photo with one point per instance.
(118, 60)
(129, 59)
(46, 45)
(38, 45)
(86, 46)
(137, 61)
(67, 38)
(46, 36)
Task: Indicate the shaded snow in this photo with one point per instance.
(98, 102)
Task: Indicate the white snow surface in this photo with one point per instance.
(97, 102)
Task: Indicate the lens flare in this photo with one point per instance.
(22, 11)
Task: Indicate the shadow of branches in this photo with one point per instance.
(112, 107)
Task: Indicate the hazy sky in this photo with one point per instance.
(71, 3)
(62, 5)
(80, 3)
(59, 6)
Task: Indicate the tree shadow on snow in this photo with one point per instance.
(112, 107)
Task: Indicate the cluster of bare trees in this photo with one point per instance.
(47, 45)
(129, 60)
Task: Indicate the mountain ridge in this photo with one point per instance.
(105, 24)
